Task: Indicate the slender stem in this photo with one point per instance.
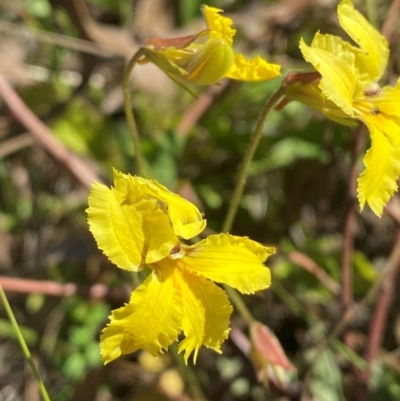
(242, 176)
(239, 305)
(233, 207)
(23, 344)
(380, 316)
(351, 215)
(189, 375)
(129, 113)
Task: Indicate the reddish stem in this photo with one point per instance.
(81, 170)
(350, 222)
(26, 286)
(380, 316)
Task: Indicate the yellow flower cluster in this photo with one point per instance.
(347, 88)
(140, 223)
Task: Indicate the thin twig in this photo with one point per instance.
(309, 265)
(68, 42)
(393, 208)
(27, 286)
(199, 107)
(379, 319)
(81, 170)
(350, 222)
(129, 113)
(24, 347)
(392, 263)
(12, 145)
(392, 17)
(346, 298)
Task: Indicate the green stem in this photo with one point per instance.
(242, 176)
(233, 207)
(240, 306)
(23, 345)
(129, 113)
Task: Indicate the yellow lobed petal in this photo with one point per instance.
(236, 261)
(129, 227)
(206, 313)
(256, 69)
(185, 217)
(389, 125)
(151, 320)
(338, 82)
(378, 181)
(117, 229)
(159, 237)
(371, 42)
(219, 26)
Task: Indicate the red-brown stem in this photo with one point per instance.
(26, 286)
(351, 215)
(309, 265)
(199, 108)
(392, 15)
(379, 319)
(81, 170)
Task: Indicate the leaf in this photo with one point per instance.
(326, 383)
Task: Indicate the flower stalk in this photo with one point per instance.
(129, 113)
(24, 346)
(248, 157)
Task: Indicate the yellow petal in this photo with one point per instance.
(389, 125)
(371, 42)
(151, 320)
(219, 26)
(117, 229)
(378, 181)
(129, 227)
(206, 312)
(338, 81)
(185, 217)
(236, 261)
(256, 69)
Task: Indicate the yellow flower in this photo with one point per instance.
(185, 61)
(347, 88)
(139, 222)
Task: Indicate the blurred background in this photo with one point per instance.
(65, 60)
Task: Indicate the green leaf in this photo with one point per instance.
(327, 382)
